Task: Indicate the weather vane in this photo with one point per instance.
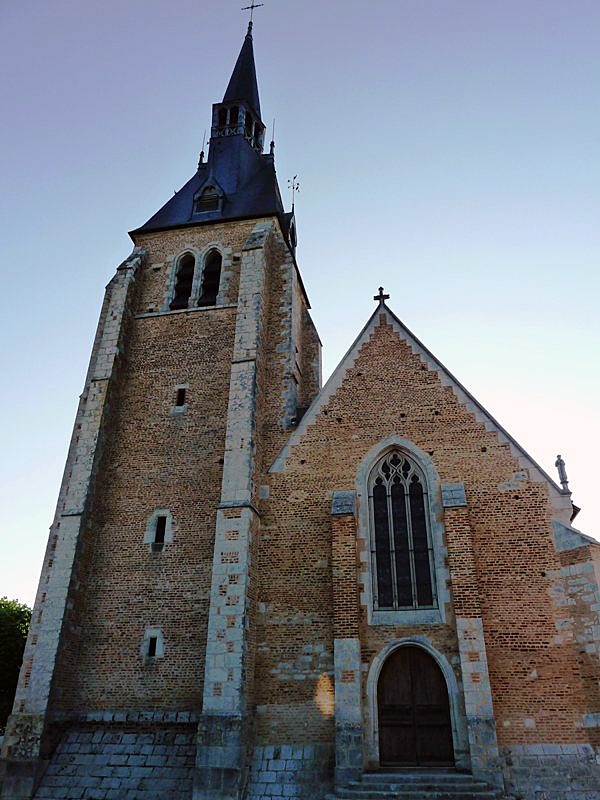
(251, 9)
(294, 185)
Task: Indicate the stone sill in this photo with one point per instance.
(409, 616)
(145, 314)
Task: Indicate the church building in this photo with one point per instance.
(259, 587)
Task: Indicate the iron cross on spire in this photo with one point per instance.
(251, 8)
(381, 297)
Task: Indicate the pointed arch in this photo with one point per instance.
(420, 512)
(401, 547)
(211, 278)
(184, 279)
(458, 721)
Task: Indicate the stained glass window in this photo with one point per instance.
(401, 550)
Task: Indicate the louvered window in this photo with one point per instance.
(207, 201)
(401, 551)
(211, 277)
(183, 282)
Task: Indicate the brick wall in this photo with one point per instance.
(152, 459)
(388, 390)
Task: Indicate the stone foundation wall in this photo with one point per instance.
(107, 762)
(552, 771)
(282, 771)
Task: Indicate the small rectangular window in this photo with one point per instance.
(161, 526)
(180, 398)
(152, 646)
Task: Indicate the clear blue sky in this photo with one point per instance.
(446, 149)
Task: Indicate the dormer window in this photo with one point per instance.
(207, 201)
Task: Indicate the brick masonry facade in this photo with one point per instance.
(260, 601)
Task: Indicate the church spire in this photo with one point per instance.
(243, 85)
(238, 114)
(237, 180)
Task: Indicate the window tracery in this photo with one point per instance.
(401, 547)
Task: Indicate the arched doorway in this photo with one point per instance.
(414, 711)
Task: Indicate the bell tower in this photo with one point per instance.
(144, 621)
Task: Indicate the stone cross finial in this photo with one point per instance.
(381, 297)
(562, 473)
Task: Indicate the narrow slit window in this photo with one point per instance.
(184, 281)
(161, 528)
(222, 117)
(234, 115)
(211, 277)
(152, 646)
(248, 124)
(180, 401)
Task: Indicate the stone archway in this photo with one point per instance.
(413, 708)
(461, 751)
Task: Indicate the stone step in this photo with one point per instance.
(414, 779)
(415, 786)
(414, 793)
(415, 774)
(425, 786)
(410, 794)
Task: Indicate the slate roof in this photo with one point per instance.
(257, 196)
(243, 84)
(245, 178)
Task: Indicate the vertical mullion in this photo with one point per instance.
(430, 550)
(374, 584)
(411, 547)
(392, 545)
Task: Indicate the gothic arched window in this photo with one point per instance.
(401, 550)
(211, 277)
(183, 281)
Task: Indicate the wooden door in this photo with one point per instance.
(414, 711)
